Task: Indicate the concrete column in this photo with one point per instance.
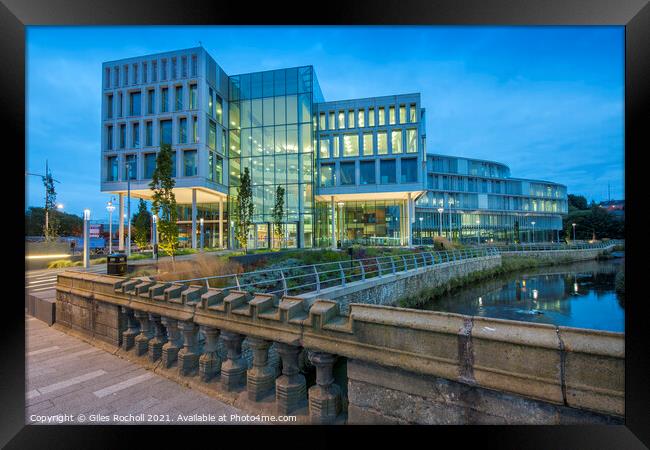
(409, 237)
(220, 223)
(233, 370)
(209, 362)
(193, 218)
(333, 225)
(174, 343)
(121, 232)
(290, 387)
(260, 377)
(325, 396)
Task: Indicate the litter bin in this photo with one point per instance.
(116, 264)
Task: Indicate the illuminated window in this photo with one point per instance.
(367, 144)
(391, 115)
(324, 148)
(413, 113)
(341, 120)
(351, 118)
(382, 116)
(411, 141)
(331, 122)
(327, 178)
(382, 143)
(361, 122)
(193, 93)
(371, 117)
(335, 146)
(396, 141)
(351, 145)
(402, 113)
(321, 123)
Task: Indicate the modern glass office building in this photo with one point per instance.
(354, 171)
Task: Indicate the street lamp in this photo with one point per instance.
(201, 223)
(128, 205)
(421, 219)
(574, 232)
(478, 231)
(440, 210)
(340, 227)
(110, 208)
(533, 224)
(450, 202)
(86, 239)
(154, 236)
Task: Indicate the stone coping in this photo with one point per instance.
(576, 367)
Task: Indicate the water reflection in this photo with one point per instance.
(576, 295)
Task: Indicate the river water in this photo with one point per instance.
(577, 295)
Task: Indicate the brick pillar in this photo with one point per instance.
(209, 362)
(142, 339)
(233, 370)
(260, 377)
(325, 396)
(174, 342)
(188, 358)
(290, 387)
(128, 336)
(159, 338)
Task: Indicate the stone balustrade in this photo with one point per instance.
(180, 328)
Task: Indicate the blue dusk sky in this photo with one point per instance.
(546, 101)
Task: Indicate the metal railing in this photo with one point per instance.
(295, 280)
(549, 246)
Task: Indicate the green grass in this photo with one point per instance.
(508, 265)
(62, 263)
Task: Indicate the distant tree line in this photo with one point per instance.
(60, 223)
(592, 221)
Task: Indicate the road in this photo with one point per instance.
(42, 280)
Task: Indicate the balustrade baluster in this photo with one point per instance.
(188, 357)
(260, 377)
(174, 342)
(209, 361)
(290, 387)
(233, 370)
(159, 339)
(325, 396)
(142, 339)
(128, 336)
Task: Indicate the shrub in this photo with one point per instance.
(199, 267)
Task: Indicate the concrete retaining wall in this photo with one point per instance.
(568, 255)
(386, 290)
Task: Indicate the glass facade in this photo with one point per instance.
(271, 133)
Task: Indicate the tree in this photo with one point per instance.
(516, 231)
(50, 225)
(278, 214)
(577, 202)
(164, 201)
(65, 224)
(244, 209)
(142, 225)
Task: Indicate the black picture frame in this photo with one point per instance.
(634, 15)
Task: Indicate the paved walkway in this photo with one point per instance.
(66, 376)
(45, 279)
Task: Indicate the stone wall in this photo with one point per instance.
(380, 395)
(386, 290)
(567, 255)
(404, 365)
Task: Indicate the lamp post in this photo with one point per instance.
(154, 236)
(450, 203)
(421, 219)
(533, 224)
(574, 232)
(440, 210)
(110, 208)
(86, 238)
(478, 231)
(201, 223)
